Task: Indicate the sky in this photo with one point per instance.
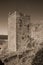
(34, 8)
(26, 6)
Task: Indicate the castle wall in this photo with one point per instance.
(12, 33)
(22, 31)
(29, 39)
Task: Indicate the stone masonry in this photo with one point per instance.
(24, 40)
(12, 33)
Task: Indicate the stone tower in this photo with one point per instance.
(18, 33)
(12, 32)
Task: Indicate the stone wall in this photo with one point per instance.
(22, 31)
(12, 32)
(29, 40)
(29, 36)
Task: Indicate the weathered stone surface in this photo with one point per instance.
(22, 31)
(12, 33)
(29, 40)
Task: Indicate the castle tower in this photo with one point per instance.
(18, 31)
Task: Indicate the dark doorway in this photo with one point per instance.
(38, 60)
